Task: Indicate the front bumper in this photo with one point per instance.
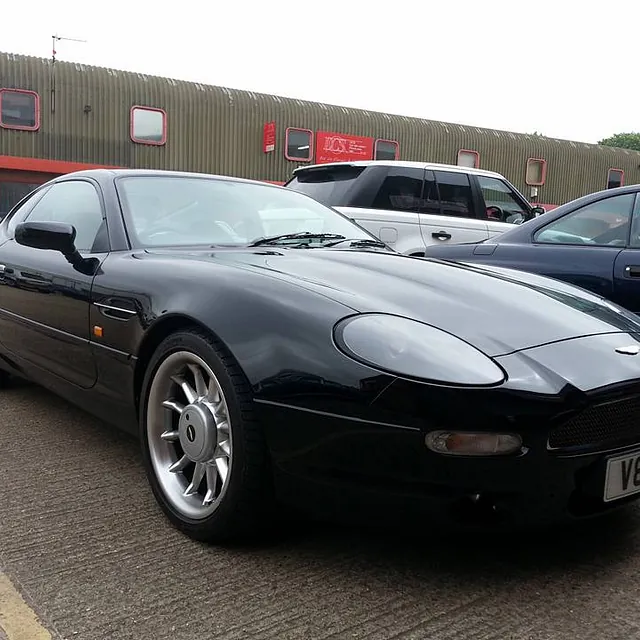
(364, 470)
(363, 452)
(370, 472)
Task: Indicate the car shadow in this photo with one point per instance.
(603, 542)
(606, 541)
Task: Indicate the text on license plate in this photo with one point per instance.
(623, 477)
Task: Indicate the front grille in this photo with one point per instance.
(600, 427)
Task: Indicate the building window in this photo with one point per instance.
(615, 178)
(536, 172)
(12, 192)
(467, 158)
(148, 125)
(386, 150)
(298, 144)
(19, 109)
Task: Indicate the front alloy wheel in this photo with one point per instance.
(189, 434)
(204, 452)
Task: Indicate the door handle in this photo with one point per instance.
(632, 271)
(441, 235)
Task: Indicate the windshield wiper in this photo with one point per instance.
(295, 236)
(358, 242)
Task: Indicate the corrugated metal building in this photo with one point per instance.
(61, 117)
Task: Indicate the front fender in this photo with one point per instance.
(280, 333)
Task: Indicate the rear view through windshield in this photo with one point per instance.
(328, 186)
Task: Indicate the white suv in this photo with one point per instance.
(410, 205)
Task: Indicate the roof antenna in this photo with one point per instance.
(54, 39)
(52, 78)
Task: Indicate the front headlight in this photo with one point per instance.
(412, 349)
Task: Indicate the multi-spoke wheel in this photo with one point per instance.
(204, 453)
(188, 433)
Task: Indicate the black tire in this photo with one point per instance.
(246, 508)
(5, 379)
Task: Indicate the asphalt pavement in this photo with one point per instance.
(86, 554)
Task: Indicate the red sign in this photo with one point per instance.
(269, 137)
(341, 147)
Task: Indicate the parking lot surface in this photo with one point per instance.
(82, 541)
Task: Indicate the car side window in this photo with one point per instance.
(75, 202)
(401, 190)
(604, 223)
(430, 197)
(501, 203)
(455, 194)
(21, 210)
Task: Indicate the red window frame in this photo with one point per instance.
(37, 109)
(476, 164)
(393, 142)
(620, 171)
(152, 143)
(543, 175)
(286, 145)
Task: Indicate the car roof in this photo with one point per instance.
(106, 173)
(402, 163)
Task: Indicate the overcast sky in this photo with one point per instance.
(563, 68)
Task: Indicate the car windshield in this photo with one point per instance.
(174, 210)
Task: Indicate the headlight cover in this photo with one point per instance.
(412, 349)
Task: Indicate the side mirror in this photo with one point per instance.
(54, 236)
(538, 211)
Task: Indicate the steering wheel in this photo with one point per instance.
(495, 213)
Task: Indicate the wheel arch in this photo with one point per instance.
(160, 330)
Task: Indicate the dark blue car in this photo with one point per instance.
(592, 242)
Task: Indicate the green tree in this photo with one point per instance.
(623, 140)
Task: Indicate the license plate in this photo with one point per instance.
(623, 477)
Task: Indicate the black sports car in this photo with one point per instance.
(267, 350)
